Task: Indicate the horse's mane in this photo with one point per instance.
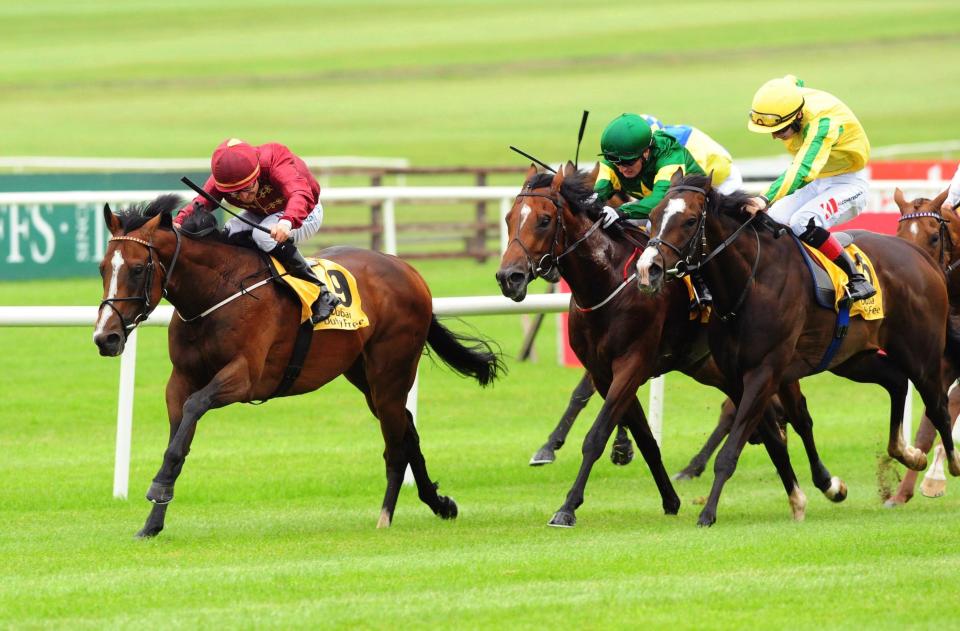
(137, 215)
(730, 205)
(577, 189)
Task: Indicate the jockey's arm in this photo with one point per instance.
(809, 159)
(198, 202)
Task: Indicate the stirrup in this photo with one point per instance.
(860, 290)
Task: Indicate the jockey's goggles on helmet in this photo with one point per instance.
(772, 120)
(623, 162)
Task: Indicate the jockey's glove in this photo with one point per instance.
(609, 216)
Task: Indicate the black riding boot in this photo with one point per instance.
(288, 254)
(858, 287)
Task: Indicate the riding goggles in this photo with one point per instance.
(625, 162)
(772, 120)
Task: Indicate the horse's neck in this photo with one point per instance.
(594, 269)
(730, 271)
(207, 272)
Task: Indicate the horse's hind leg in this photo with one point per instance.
(699, 462)
(795, 406)
(578, 400)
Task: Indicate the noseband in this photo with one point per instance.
(944, 236)
(147, 308)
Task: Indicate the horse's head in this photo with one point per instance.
(134, 278)
(677, 224)
(537, 226)
(926, 225)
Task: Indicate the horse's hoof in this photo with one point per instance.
(933, 488)
(545, 455)
(622, 453)
(686, 474)
(148, 532)
(837, 491)
(563, 519)
(160, 493)
(896, 502)
(385, 519)
(706, 520)
(448, 508)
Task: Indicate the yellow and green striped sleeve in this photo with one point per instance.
(607, 183)
(808, 161)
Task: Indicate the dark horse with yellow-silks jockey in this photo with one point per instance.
(240, 352)
(772, 332)
(622, 336)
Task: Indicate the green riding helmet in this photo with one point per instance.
(625, 138)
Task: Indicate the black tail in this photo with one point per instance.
(953, 342)
(478, 360)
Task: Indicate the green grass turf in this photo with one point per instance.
(453, 83)
(273, 525)
(273, 522)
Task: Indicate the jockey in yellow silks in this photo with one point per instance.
(712, 157)
(825, 184)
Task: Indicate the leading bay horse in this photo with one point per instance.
(772, 332)
(622, 336)
(240, 351)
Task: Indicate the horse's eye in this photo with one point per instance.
(137, 270)
(690, 222)
(934, 239)
(544, 221)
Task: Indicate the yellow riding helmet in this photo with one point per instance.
(775, 105)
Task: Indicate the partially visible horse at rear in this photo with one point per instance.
(240, 351)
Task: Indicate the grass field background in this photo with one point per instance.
(273, 525)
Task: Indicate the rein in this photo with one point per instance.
(944, 232)
(554, 261)
(147, 283)
(685, 253)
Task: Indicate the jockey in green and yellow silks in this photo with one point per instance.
(712, 157)
(825, 183)
(639, 162)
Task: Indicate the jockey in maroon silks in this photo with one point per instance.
(276, 190)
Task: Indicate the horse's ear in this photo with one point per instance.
(558, 179)
(166, 219)
(901, 202)
(569, 169)
(151, 226)
(939, 200)
(530, 173)
(709, 185)
(595, 173)
(113, 224)
(676, 177)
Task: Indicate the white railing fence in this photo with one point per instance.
(86, 316)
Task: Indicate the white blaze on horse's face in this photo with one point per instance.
(913, 228)
(116, 262)
(524, 213)
(674, 207)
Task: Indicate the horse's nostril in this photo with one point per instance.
(517, 278)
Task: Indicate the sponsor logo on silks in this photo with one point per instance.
(830, 207)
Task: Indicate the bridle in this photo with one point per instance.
(549, 261)
(944, 237)
(693, 255)
(147, 287)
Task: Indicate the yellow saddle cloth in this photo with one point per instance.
(697, 311)
(869, 309)
(349, 315)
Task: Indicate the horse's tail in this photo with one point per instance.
(953, 342)
(479, 359)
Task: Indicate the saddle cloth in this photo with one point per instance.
(829, 281)
(349, 315)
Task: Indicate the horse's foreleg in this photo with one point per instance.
(699, 462)
(578, 400)
(795, 406)
(636, 420)
(777, 450)
(616, 397)
(758, 386)
(231, 384)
